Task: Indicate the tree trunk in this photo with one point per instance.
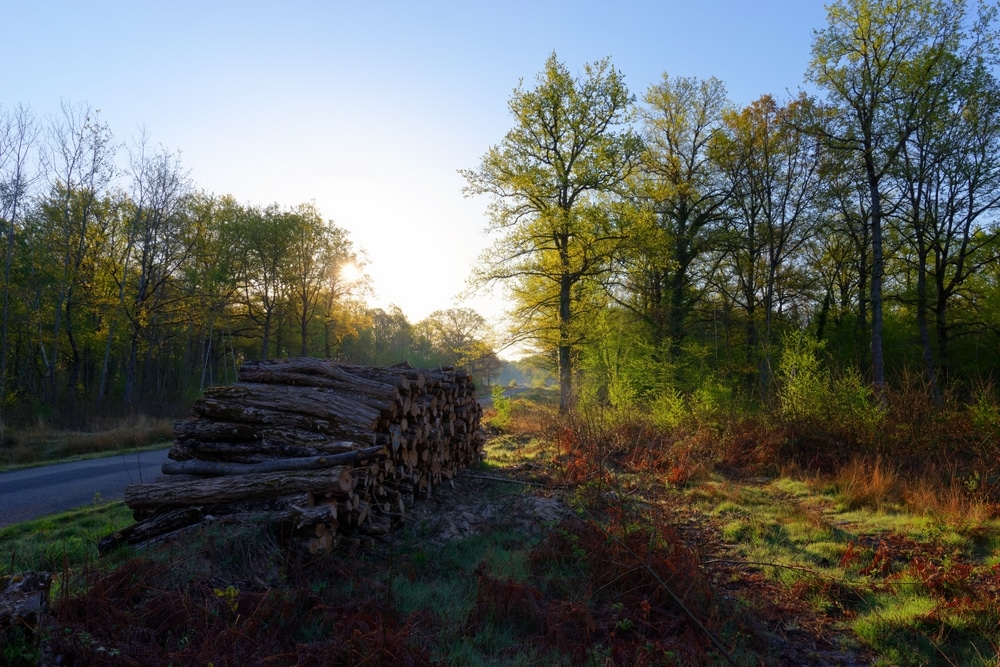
(923, 330)
(878, 267)
(565, 351)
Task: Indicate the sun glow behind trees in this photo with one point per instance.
(127, 287)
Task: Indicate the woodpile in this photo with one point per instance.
(318, 446)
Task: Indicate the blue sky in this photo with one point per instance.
(370, 108)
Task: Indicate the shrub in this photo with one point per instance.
(669, 409)
(804, 385)
(835, 412)
(501, 407)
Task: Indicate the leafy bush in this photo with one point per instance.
(810, 394)
(984, 412)
(669, 409)
(501, 407)
(804, 385)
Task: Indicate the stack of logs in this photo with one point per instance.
(314, 445)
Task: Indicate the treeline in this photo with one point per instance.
(658, 243)
(125, 288)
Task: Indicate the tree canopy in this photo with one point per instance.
(549, 181)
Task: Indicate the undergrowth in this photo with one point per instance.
(28, 446)
(724, 537)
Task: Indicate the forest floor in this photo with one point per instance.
(531, 559)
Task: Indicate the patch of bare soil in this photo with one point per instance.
(476, 503)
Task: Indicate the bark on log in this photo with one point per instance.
(217, 430)
(215, 491)
(316, 370)
(313, 402)
(308, 372)
(219, 469)
(153, 527)
(214, 409)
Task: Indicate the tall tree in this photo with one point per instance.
(683, 192)
(210, 277)
(458, 337)
(950, 179)
(317, 252)
(80, 155)
(263, 238)
(18, 134)
(885, 65)
(391, 336)
(158, 242)
(570, 148)
(343, 295)
(840, 258)
(773, 172)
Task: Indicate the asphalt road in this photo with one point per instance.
(35, 492)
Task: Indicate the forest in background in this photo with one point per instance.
(674, 245)
(659, 249)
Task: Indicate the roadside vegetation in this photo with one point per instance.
(26, 446)
(605, 539)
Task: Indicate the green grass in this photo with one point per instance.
(442, 582)
(916, 589)
(59, 542)
(505, 451)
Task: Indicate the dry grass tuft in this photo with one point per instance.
(41, 443)
(956, 501)
(866, 482)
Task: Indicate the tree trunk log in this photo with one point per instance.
(219, 468)
(220, 490)
(313, 402)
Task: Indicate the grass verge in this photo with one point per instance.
(29, 447)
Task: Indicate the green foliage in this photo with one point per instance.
(804, 384)
(669, 409)
(620, 367)
(18, 648)
(55, 543)
(809, 393)
(985, 412)
(855, 402)
(711, 400)
(501, 405)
